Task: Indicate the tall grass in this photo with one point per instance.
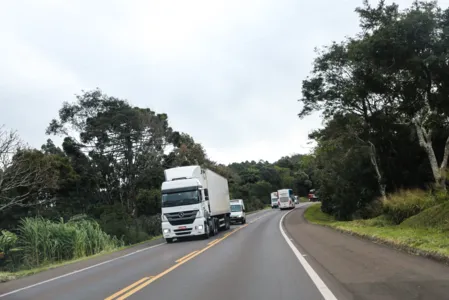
(407, 203)
(42, 241)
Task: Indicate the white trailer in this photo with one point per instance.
(195, 202)
(274, 200)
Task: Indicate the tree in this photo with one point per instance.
(123, 142)
(25, 176)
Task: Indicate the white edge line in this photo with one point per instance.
(78, 271)
(321, 286)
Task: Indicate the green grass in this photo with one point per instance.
(413, 235)
(303, 199)
(7, 276)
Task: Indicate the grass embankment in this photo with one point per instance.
(424, 234)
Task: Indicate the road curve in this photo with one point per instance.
(354, 268)
(251, 261)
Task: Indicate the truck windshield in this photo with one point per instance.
(274, 200)
(236, 207)
(180, 198)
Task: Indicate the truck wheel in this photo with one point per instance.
(206, 234)
(216, 227)
(244, 221)
(228, 223)
(169, 240)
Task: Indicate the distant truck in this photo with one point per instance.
(274, 200)
(195, 202)
(286, 199)
(238, 211)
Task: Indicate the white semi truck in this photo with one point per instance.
(195, 202)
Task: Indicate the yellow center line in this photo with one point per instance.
(213, 242)
(187, 256)
(154, 278)
(128, 288)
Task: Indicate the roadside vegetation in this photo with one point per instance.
(380, 163)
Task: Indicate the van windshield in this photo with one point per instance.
(180, 198)
(236, 207)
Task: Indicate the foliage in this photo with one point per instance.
(381, 93)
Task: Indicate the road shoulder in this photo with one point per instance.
(354, 268)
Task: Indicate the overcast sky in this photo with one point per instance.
(227, 72)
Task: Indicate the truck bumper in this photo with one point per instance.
(176, 231)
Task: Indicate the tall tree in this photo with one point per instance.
(124, 142)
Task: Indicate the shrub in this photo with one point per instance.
(407, 203)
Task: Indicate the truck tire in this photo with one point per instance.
(227, 222)
(169, 240)
(244, 221)
(206, 227)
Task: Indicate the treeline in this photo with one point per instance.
(384, 97)
(108, 172)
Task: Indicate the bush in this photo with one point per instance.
(407, 203)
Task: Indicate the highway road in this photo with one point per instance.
(249, 262)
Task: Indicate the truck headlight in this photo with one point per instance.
(200, 227)
(166, 230)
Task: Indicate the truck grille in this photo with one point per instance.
(182, 217)
(284, 199)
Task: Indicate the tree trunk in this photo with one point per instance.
(425, 141)
(373, 157)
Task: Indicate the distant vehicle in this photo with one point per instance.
(274, 200)
(238, 210)
(296, 199)
(195, 202)
(286, 199)
(312, 196)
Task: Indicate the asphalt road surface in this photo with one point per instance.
(248, 262)
(354, 268)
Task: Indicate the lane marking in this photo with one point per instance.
(187, 256)
(138, 288)
(214, 241)
(79, 271)
(321, 286)
(128, 288)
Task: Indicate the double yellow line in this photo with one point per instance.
(140, 284)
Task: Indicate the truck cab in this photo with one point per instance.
(238, 211)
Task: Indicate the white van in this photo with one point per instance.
(238, 214)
